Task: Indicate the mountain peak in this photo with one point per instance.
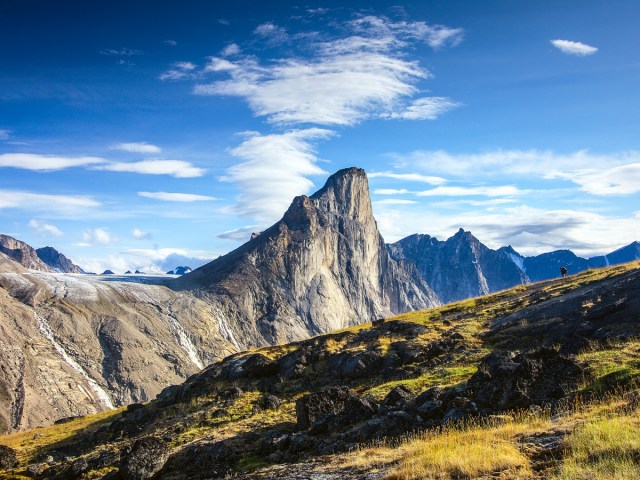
(346, 192)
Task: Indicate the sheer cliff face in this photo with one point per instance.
(460, 267)
(324, 266)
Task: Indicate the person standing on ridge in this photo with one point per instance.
(563, 271)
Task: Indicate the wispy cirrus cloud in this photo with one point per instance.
(137, 147)
(45, 203)
(362, 74)
(409, 177)
(5, 134)
(485, 191)
(121, 52)
(45, 229)
(174, 168)
(427, 108)
(616, 173)
(574, 48)
(37, 162)
(171, 43)
(179, 71)
(177, 197)
(273, 170)
(241, 234)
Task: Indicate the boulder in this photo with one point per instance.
(359, 365)
(509, 380)
(336, 401)
(147, 457)
(397, 398)
(8, 458)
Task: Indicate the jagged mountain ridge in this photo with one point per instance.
(323, 267)
(462, 267)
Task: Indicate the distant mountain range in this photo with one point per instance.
(462, 267)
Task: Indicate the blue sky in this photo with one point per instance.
(146, 134)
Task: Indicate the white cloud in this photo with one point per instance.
(230, 50)
(177, 197)
(395, 201)
(242, 234)
(123, 52)
(45, 229)
(271, 32)
(179, 71)
(391, 191)
(427, 108)
(574, 48)
(57, 204)
(620, 180)
(273, 171)
(365, 74)
(137, 147)
(173, 43)
(490, 191)
(31, 161)
(140, 234)
(5, 134)
(598, 174)
(175, 168)
(409, 177)
(100, 236)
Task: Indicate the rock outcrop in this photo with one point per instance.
(323, 267)
(56, 260)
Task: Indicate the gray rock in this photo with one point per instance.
(8, 458)
(147, 457)
(332, 402)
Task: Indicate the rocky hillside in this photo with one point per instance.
(73, 345)
(22, 253)
(323, 267)
(342, 405)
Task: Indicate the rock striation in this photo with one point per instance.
(323, 267)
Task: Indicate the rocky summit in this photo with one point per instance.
(323, 267)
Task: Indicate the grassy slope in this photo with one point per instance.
(484, 449)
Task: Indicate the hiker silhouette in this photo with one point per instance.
(563, 271)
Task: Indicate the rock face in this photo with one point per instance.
(323, 267)
(73, 345)
(22, 253)
(148, 455)
(460, 267)
(622, 255)
(54, 259)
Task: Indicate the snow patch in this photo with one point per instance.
(185, 342)
(519, 261)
